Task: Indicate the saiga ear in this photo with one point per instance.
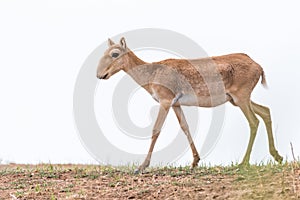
(110, 42)
(123, 43)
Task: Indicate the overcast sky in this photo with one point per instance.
(43, 45)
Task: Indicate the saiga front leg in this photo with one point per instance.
(162, 114)
(184, 126)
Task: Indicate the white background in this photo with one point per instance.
(44, 43)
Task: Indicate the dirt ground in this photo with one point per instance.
(104, 182)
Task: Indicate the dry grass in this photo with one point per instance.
(48, 181)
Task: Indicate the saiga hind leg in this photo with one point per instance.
(253, 123)
(264, 113)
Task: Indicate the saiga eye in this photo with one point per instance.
(114, 55)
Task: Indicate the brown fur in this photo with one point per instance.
(205, 82)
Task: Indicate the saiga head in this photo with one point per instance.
(113, 59)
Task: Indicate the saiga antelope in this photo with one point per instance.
(205, 82)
